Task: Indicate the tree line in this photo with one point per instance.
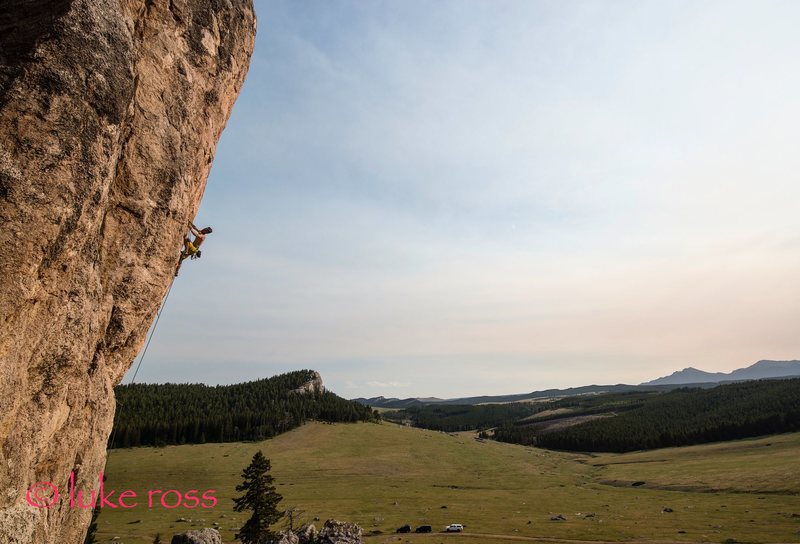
(466, 417)
(680, 417)
(635, 420)
(162, 414)
(463, 417)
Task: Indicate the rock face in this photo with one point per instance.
(203, 536)
(314, 385)
(110, 111)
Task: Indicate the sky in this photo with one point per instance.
(455, 198)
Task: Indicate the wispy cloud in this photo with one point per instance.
(492, 197)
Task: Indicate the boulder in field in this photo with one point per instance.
(339, 532)
(307, 533)
(202, 536)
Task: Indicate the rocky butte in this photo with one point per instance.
(110, 111)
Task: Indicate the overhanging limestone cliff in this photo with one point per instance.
(110, 111)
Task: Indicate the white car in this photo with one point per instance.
(454, 528)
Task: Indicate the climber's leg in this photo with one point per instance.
(180, 262)
(184, 253)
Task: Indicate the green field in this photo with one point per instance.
(383, 476)
(766, 465)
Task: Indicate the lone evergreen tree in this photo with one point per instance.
(260, 497)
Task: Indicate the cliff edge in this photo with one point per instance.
(110, 111)
(313, 385)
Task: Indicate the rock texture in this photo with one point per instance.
(307, 534)
(333, 532)
(284, 537)
(110, 111)
(314, 385)
(202, 536)
(339, 532)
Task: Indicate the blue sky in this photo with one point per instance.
(457, 198)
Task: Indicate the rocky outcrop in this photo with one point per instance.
(314, 385)
(333, 532)
(283, 537)
(110, 111)
(307, 534)
(339, 532)
(202, 536)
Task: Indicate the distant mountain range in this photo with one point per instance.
(758, 371)
(687, 376)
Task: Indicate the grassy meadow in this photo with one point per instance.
(384, 475)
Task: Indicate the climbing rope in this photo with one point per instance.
(144, 352)
(152, 331)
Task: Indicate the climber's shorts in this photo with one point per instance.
(190, 249)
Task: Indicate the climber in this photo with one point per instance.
(192, 248)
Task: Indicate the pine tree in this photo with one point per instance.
(260, 497)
